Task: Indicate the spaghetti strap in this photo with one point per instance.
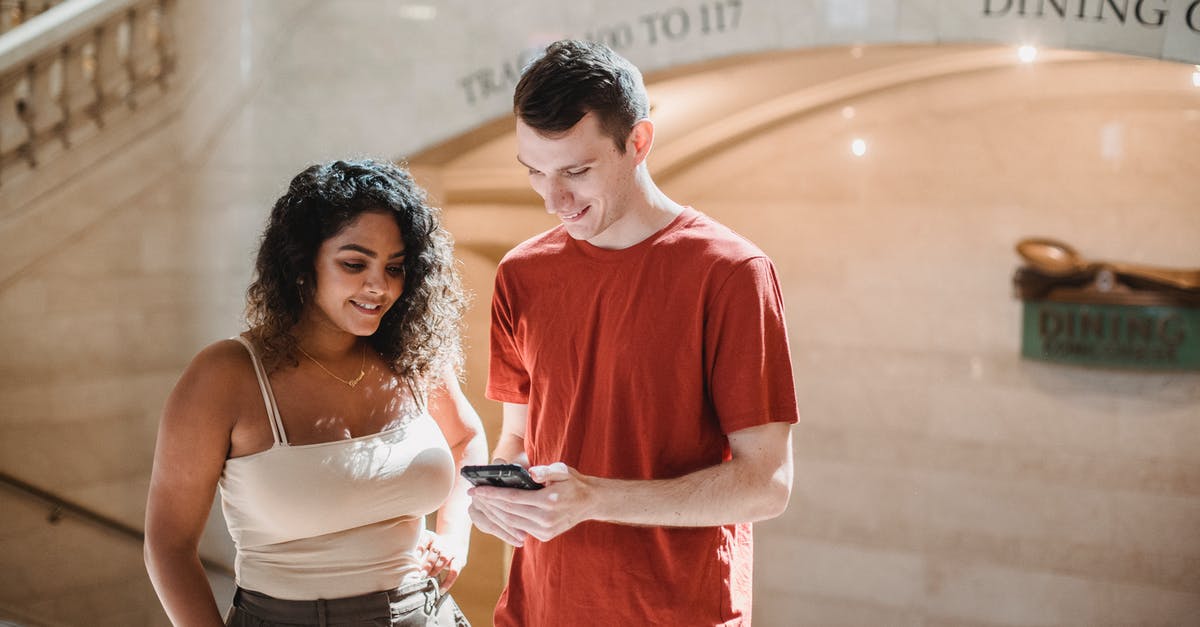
(268, 396)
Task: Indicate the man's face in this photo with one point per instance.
(582, 178)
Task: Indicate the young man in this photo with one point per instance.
(640, 352)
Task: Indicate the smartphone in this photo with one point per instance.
(501, 476)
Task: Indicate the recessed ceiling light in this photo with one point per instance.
(418, 12)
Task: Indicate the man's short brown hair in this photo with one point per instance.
(574, 78)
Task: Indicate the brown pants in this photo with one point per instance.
(418, 604)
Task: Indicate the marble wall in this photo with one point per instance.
(940, 479)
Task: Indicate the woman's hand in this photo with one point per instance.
(441, 558)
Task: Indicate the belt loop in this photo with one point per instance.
(321, 616)
(431, 600)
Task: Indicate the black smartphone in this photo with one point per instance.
(501, 476)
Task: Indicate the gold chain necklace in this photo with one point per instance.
(353, 382)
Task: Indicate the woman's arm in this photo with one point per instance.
(193, 441)
(464, 433)
(510, 448)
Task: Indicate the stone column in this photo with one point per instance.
(112, 75)
(79, 88)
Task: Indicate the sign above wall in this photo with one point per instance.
(474, 86)
(1105, 313)
(1166, 29)
(658, 34)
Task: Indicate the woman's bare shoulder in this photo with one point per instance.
(220, 375)
(223, 358)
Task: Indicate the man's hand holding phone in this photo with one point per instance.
(563, 500)
(484, 514)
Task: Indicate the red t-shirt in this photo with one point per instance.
(635, 364)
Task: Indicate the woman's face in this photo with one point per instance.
(360, 274)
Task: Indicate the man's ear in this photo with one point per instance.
(641, 138)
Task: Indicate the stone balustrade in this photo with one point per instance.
(14, 12)
(74, 67)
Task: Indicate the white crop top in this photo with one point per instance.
(334, 519)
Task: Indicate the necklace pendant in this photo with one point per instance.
(353, 382)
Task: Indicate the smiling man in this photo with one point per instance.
(640, 352)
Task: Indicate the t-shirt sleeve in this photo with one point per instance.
(508, 379)
(749, 361)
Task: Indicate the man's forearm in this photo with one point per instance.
(727, 493)
(754, 485)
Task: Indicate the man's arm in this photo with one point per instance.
(754, 485)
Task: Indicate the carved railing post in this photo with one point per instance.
(78, 89)
(143, 61)
(14, 135)
(43, 112)
(31, 8)
(10, 15)
(166, 42)
(112, 76)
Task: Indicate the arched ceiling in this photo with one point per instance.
(698, 109)
(702, 110)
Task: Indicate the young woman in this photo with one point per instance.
(332, 426)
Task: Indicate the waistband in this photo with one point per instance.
(364, 607)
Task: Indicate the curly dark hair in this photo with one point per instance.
(574, 78)
(420, 335)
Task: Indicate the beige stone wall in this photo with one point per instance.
(940, 480)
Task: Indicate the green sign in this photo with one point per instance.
(1123, 336)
